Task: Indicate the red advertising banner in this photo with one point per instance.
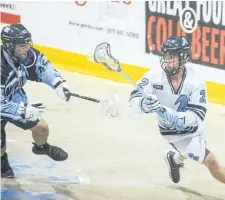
(7, 14)
(202, 21)
(8, 18)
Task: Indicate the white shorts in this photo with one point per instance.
(192, 148)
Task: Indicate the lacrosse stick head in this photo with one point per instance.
(111, 105)
(102, 55)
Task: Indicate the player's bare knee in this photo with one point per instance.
(41, 128)
(211, 162)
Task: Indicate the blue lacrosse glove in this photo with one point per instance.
(171, 118)
(149, 105)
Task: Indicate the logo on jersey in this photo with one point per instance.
(13, 85)
(188, 20)
(158, 87)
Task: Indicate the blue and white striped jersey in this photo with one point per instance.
(15, 76)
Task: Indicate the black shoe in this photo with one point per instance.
(53, 152)
(6, 170)
(174, 169)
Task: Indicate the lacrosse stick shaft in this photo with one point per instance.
(84, 97)
(106, 104)
(133, 83)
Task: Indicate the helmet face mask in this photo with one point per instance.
(170, 63)
(20, 51)
(175, 53)
(17, 41)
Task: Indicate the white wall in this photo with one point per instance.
(49, 25)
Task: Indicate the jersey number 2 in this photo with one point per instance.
(203, 96)
(143, 83)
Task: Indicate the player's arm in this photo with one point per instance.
(47, 74)
(197, 106)
(194, 113)
(137, 98)
(8, 109)
(16, 111)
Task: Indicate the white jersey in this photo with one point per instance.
(189, 97)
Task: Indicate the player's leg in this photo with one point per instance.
(192, 148)
(40, 134)
(195, 149)
(216, 169)
(6, 170)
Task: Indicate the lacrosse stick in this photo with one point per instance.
(110, 105)
(103, 56)
(84, 97)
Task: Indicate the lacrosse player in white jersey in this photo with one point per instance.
(178, 97)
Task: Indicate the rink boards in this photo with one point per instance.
(84, 64)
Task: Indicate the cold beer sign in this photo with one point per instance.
(202, 21)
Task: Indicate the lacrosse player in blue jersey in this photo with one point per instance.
(21, 62)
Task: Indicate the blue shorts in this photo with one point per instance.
(24, 126)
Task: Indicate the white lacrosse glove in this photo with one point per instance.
(29, 112)
(149, 105)
(171, 118)
(62, 89)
